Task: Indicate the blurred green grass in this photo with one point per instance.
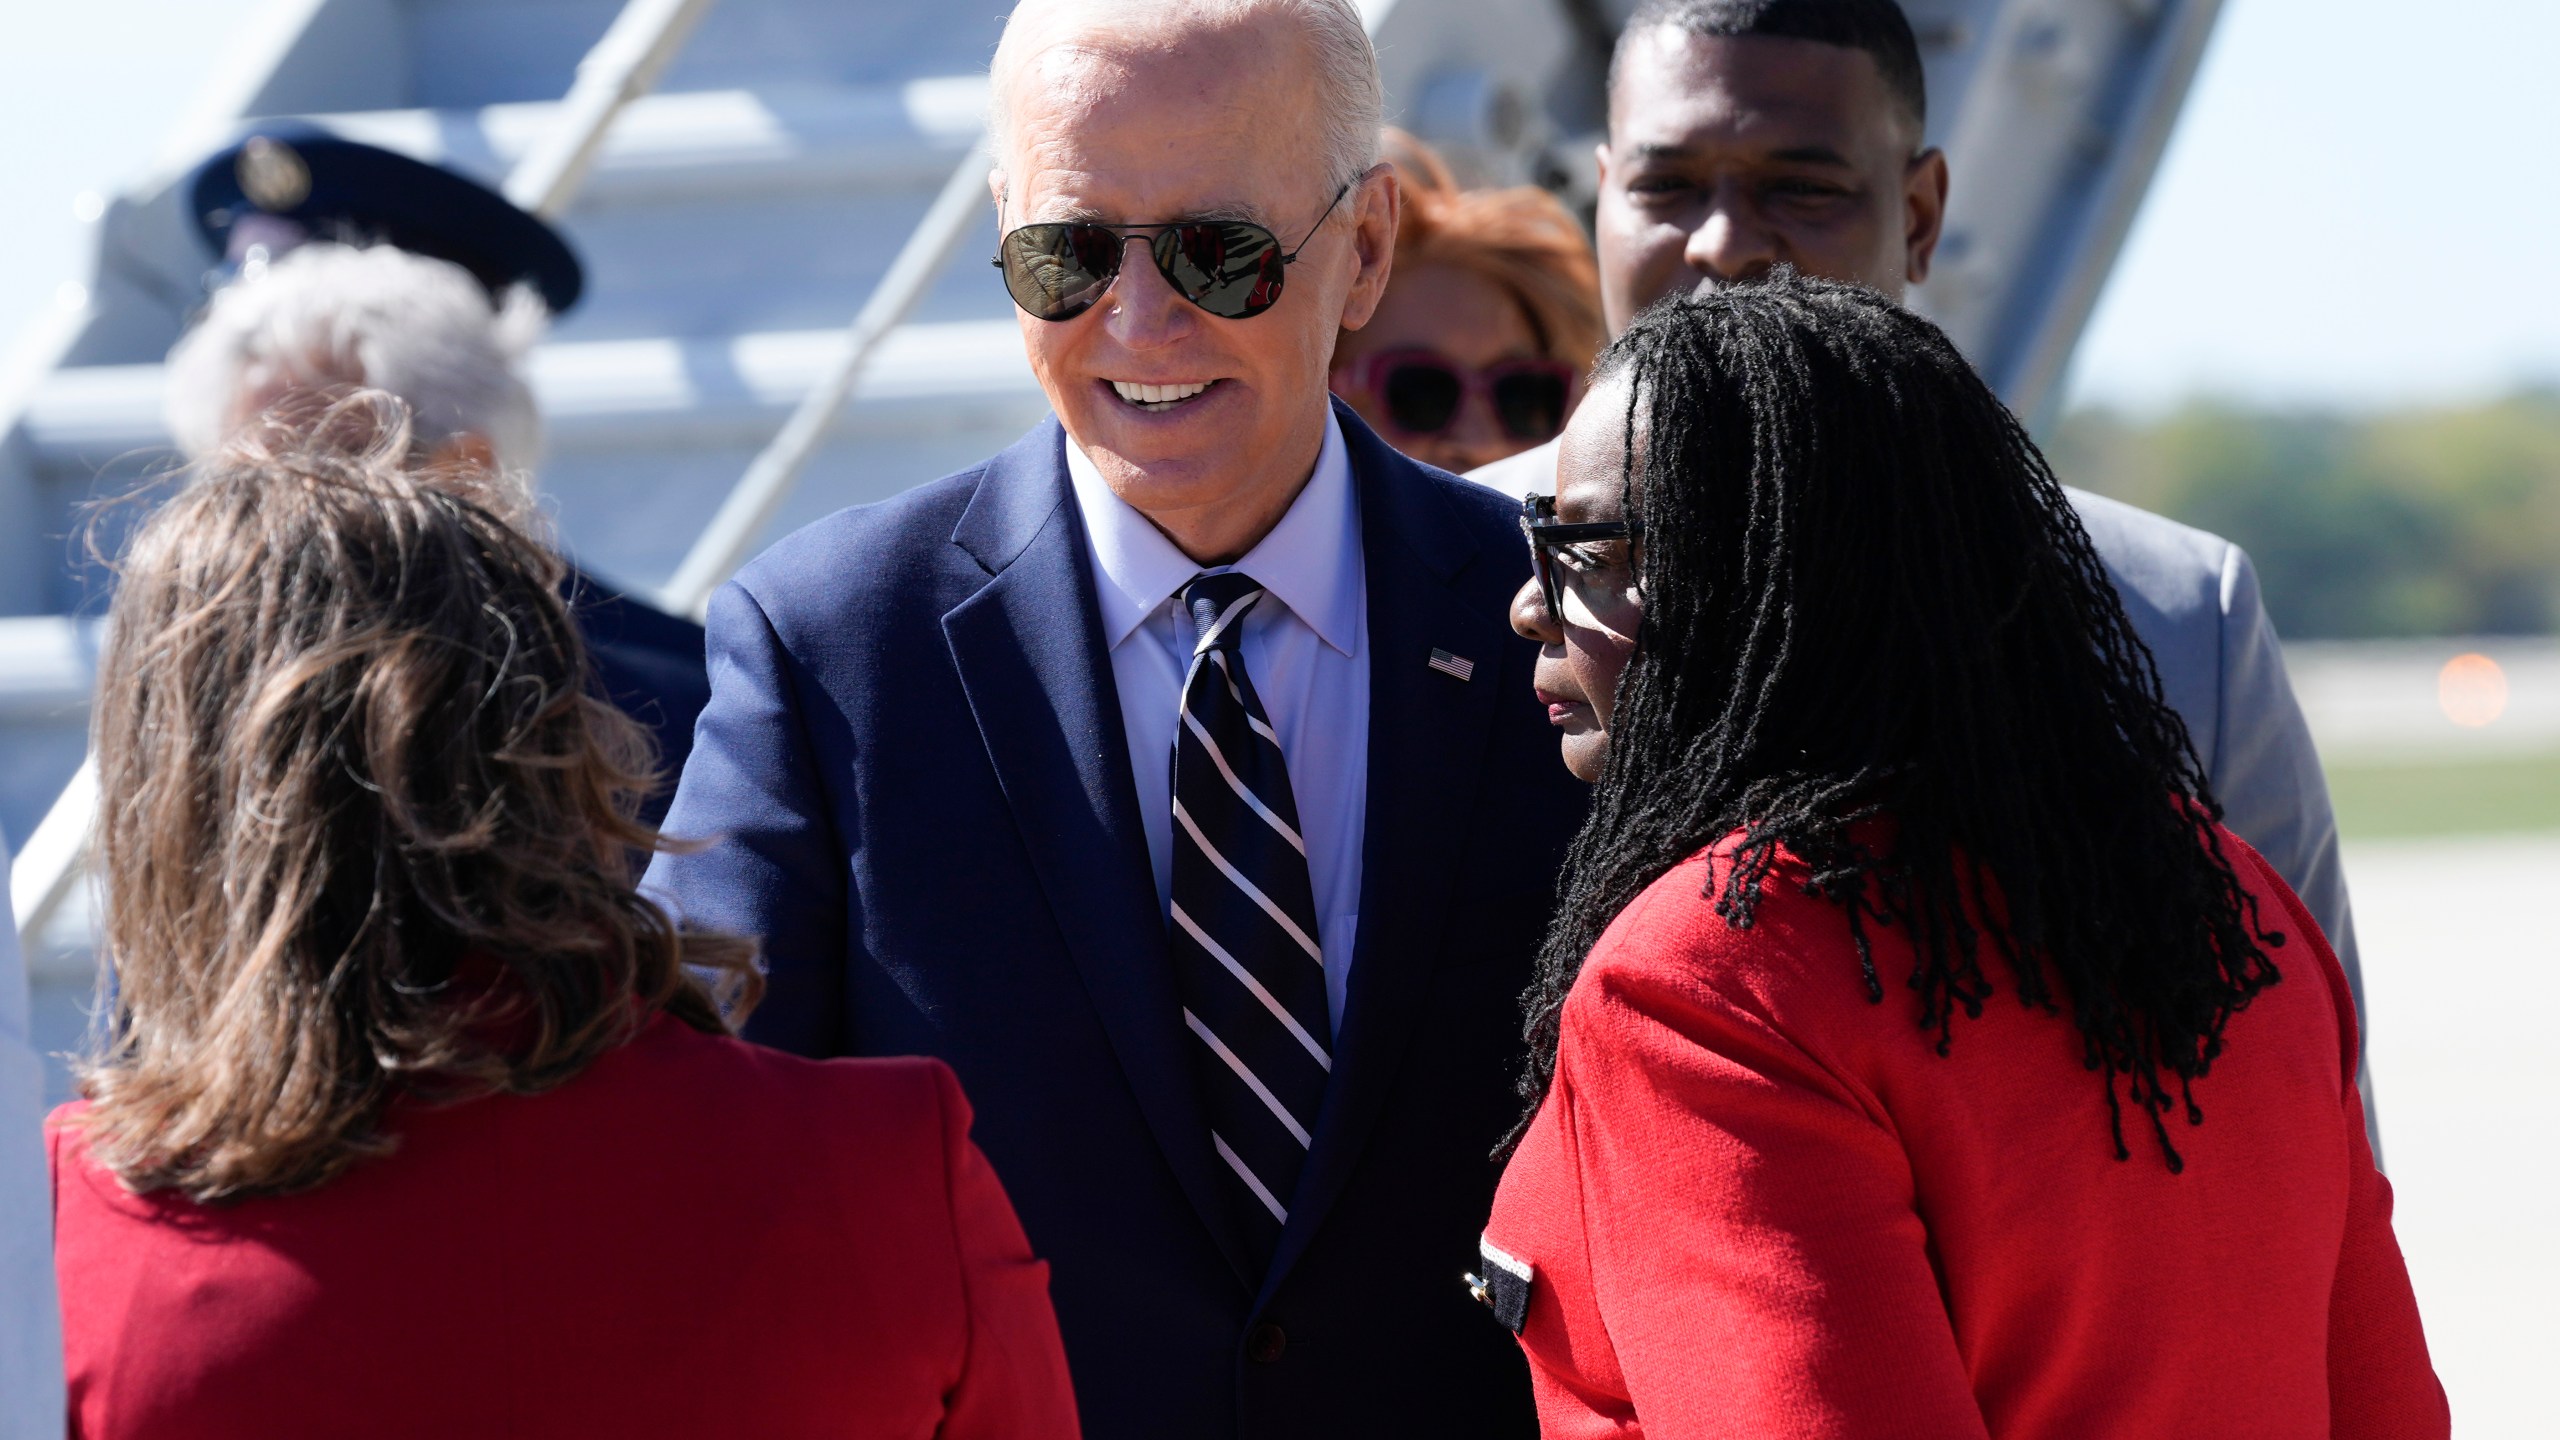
(2405, 800)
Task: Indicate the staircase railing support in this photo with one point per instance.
(775, 472)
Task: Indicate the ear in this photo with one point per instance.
(1924, 213)
(1373, 243)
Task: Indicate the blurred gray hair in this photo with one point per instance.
(377, 317)
(1350, 98)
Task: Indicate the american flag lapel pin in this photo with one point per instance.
(1456, 667)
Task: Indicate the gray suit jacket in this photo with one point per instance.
(2193, 598)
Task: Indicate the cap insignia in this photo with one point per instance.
(273, 175)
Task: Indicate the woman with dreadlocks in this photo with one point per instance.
(1901, 962)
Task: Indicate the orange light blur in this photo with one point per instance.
(2472, 690)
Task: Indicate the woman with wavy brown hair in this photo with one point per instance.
(410, 1115)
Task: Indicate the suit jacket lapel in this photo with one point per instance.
(1030, 654)
(1427, 736)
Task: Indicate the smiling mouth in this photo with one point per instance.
(1156, 399)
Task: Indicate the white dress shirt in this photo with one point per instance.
(30, 1324)
(1305, 648)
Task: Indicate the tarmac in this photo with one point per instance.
(2462, 979)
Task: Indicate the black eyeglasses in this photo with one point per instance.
(1058, 269)
(1546, 533)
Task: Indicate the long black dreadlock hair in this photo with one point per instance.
(1866, 598)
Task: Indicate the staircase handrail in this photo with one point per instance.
(622, 67)
(770, 478)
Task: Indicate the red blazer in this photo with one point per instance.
(1755, 1203)
(694, 1237)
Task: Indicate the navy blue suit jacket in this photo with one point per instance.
(915, 777)
(651, 665)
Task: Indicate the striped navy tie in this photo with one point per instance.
(1245, 956)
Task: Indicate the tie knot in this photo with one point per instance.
(1217, 604)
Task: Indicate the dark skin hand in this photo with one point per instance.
(1583, 652)
(1728, 156)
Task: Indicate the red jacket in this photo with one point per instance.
(694, 1237)
(1756, 1204)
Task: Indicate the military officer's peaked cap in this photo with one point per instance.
(336, 189)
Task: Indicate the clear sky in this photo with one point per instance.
(88, 90)
(2361, 205)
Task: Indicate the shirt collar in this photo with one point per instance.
(1310, 562)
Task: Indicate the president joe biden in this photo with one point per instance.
(1174, 774)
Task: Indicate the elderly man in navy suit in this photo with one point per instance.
(1173, 774)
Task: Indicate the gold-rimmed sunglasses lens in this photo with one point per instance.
(1230, 268)
(1058, 271)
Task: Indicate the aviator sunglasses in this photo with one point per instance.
(1058, 269)
(1422, 393)
(1547, 534)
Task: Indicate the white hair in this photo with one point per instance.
(1350, 98)
(375, 317)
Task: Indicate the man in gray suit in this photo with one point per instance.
(1749, 134)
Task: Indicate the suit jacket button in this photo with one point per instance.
(1265, 1343)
